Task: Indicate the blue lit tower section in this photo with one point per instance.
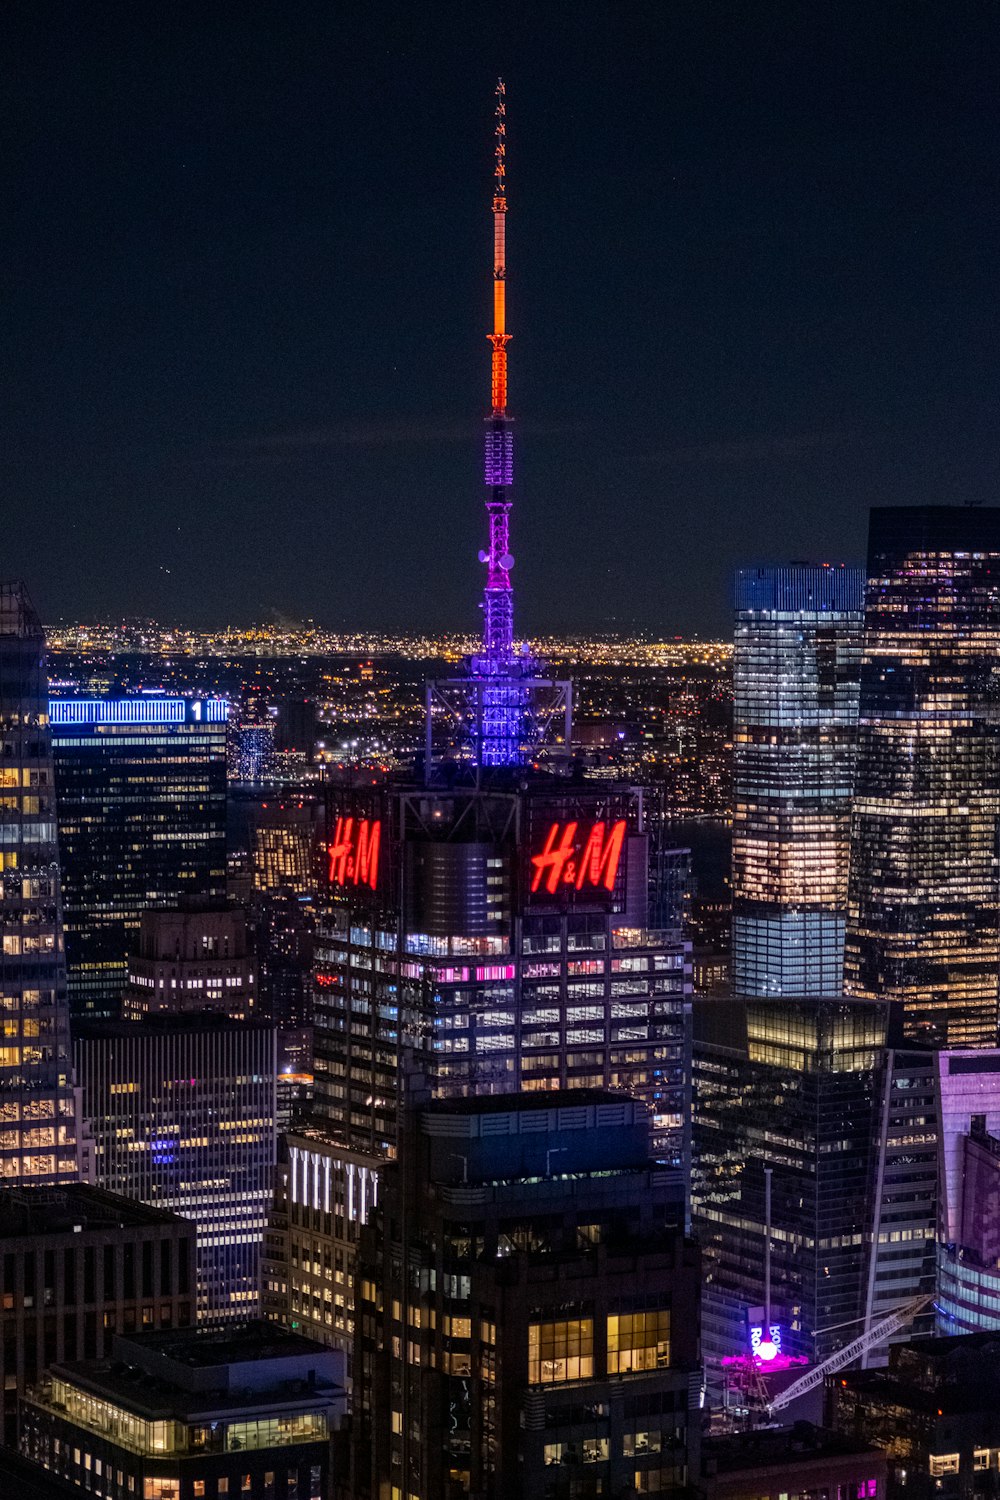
(796, 675)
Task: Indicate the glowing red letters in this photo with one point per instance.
(354, 851)
(570, 860)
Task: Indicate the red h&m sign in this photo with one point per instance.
(354, 851)
(584, 862)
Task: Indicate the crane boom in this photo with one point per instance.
(850, 1352)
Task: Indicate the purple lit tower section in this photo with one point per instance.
(501, 672)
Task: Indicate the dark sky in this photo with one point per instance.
(246, 260)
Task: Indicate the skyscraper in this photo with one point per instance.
(491, 924)
(38, 1142)
(141, 785)
(924, 897)
(529, 1308)
(182, 1113)
(795, 680)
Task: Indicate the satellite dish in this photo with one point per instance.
(507, 562)
(484, 557)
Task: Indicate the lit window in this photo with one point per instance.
(560, 1351)
(639, 1341)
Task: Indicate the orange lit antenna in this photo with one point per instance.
(499, 337)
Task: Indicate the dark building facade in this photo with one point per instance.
(182, 1111)
(924, 894)
(141, 786)
(192, 1415)
(794, 1089)
(78, 1266)
(935, 1412)
(38, 1131)
(527, 1324)
(796, 669)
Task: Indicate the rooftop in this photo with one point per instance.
(768, 1447)
(205, 1348)
(505, 1104)
(187, 1373)
(74, 1208)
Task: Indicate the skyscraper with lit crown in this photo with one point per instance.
(38, 1138)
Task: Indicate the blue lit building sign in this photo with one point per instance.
(69, 712)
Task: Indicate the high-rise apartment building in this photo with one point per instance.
(528, 1316)
(141, 786)
(38, 1135)
(182, 1110)
(924, 921)
(795, 680)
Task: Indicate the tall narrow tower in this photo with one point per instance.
(504, 706)
(498, 597)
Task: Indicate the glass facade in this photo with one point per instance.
(182, 1111)
(796, 664)
(142, 823)
(795, 1088)
(37, 1124)
(924, 900)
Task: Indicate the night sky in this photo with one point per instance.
(246, 255)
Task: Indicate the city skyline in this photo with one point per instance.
(250, 298)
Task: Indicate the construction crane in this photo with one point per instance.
(850, 1352)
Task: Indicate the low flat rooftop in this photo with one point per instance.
(204, 1348)
(505, 1104)
(773, 1447)
(74, 1208)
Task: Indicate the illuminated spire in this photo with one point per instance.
(498, 601)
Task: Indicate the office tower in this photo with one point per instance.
(297, 728)
(141, 786)
(528, 1317)
(787, 1096)
(38, 1138)
(924, 923)
(251, 741)
(193, 959)
(904, 1196)
(493, 923)
(277, 837)
(503, 938)
(322, 1198)
(182, 1113)
(968, 1099)
(245, 1413)
(79, 1265)
(795, 682)
(935, 1412)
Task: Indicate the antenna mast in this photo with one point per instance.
(498, 600)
